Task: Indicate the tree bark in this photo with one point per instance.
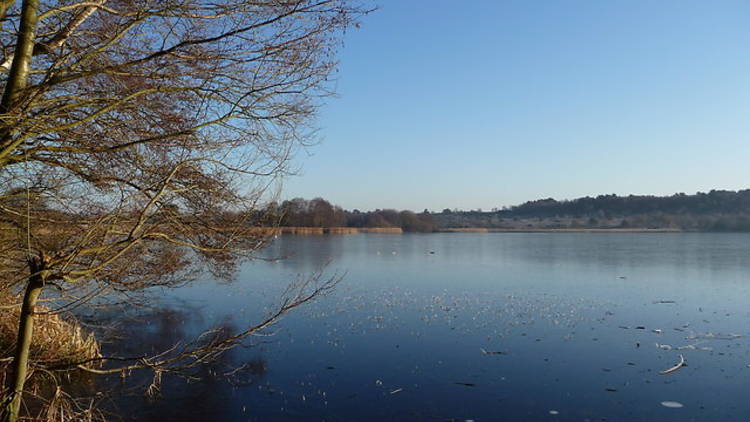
(19, 70)
(12, 402)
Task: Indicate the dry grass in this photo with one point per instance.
(465, 230)
(336, 230)
(301, 230)
(63, 407)
(341, 230)
(393, 230)
(56, 341)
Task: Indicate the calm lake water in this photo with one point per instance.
(482, 327)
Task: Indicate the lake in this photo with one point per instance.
(482, 327)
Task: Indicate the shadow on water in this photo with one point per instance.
(309, 254)
(198, 394)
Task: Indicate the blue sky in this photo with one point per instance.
(480, 104)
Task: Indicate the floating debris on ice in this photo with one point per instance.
(486, 352)
(465, 384)
(672, 404)
(679, 365)
(714, 336)
(685, 347)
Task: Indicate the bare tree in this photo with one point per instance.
(137, 139)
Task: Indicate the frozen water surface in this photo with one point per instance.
(482, 327)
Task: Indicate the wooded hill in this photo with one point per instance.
(717, 210)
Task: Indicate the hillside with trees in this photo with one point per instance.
(717, 210)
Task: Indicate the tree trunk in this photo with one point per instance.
(12, 402)
(19, 70)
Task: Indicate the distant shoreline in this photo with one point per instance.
(334, 230)
(581, 230)
(398, 230)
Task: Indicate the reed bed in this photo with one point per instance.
(302, 230)
(337, 230)
(391, 230)
(56, 341)
(465, 230)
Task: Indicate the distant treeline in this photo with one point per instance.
(318, 212)
(717, 210)
(713, 202)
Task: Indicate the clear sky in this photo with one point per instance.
(485, 103)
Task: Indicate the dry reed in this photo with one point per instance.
(56, 341)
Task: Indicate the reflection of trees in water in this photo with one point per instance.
(198, 394)
(204, 399)
(707, 251)
(308, 253)
(153, 331)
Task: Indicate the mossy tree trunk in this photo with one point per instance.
(12, 403)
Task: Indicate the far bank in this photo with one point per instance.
(398, 230)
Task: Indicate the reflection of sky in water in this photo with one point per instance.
(402, 336)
